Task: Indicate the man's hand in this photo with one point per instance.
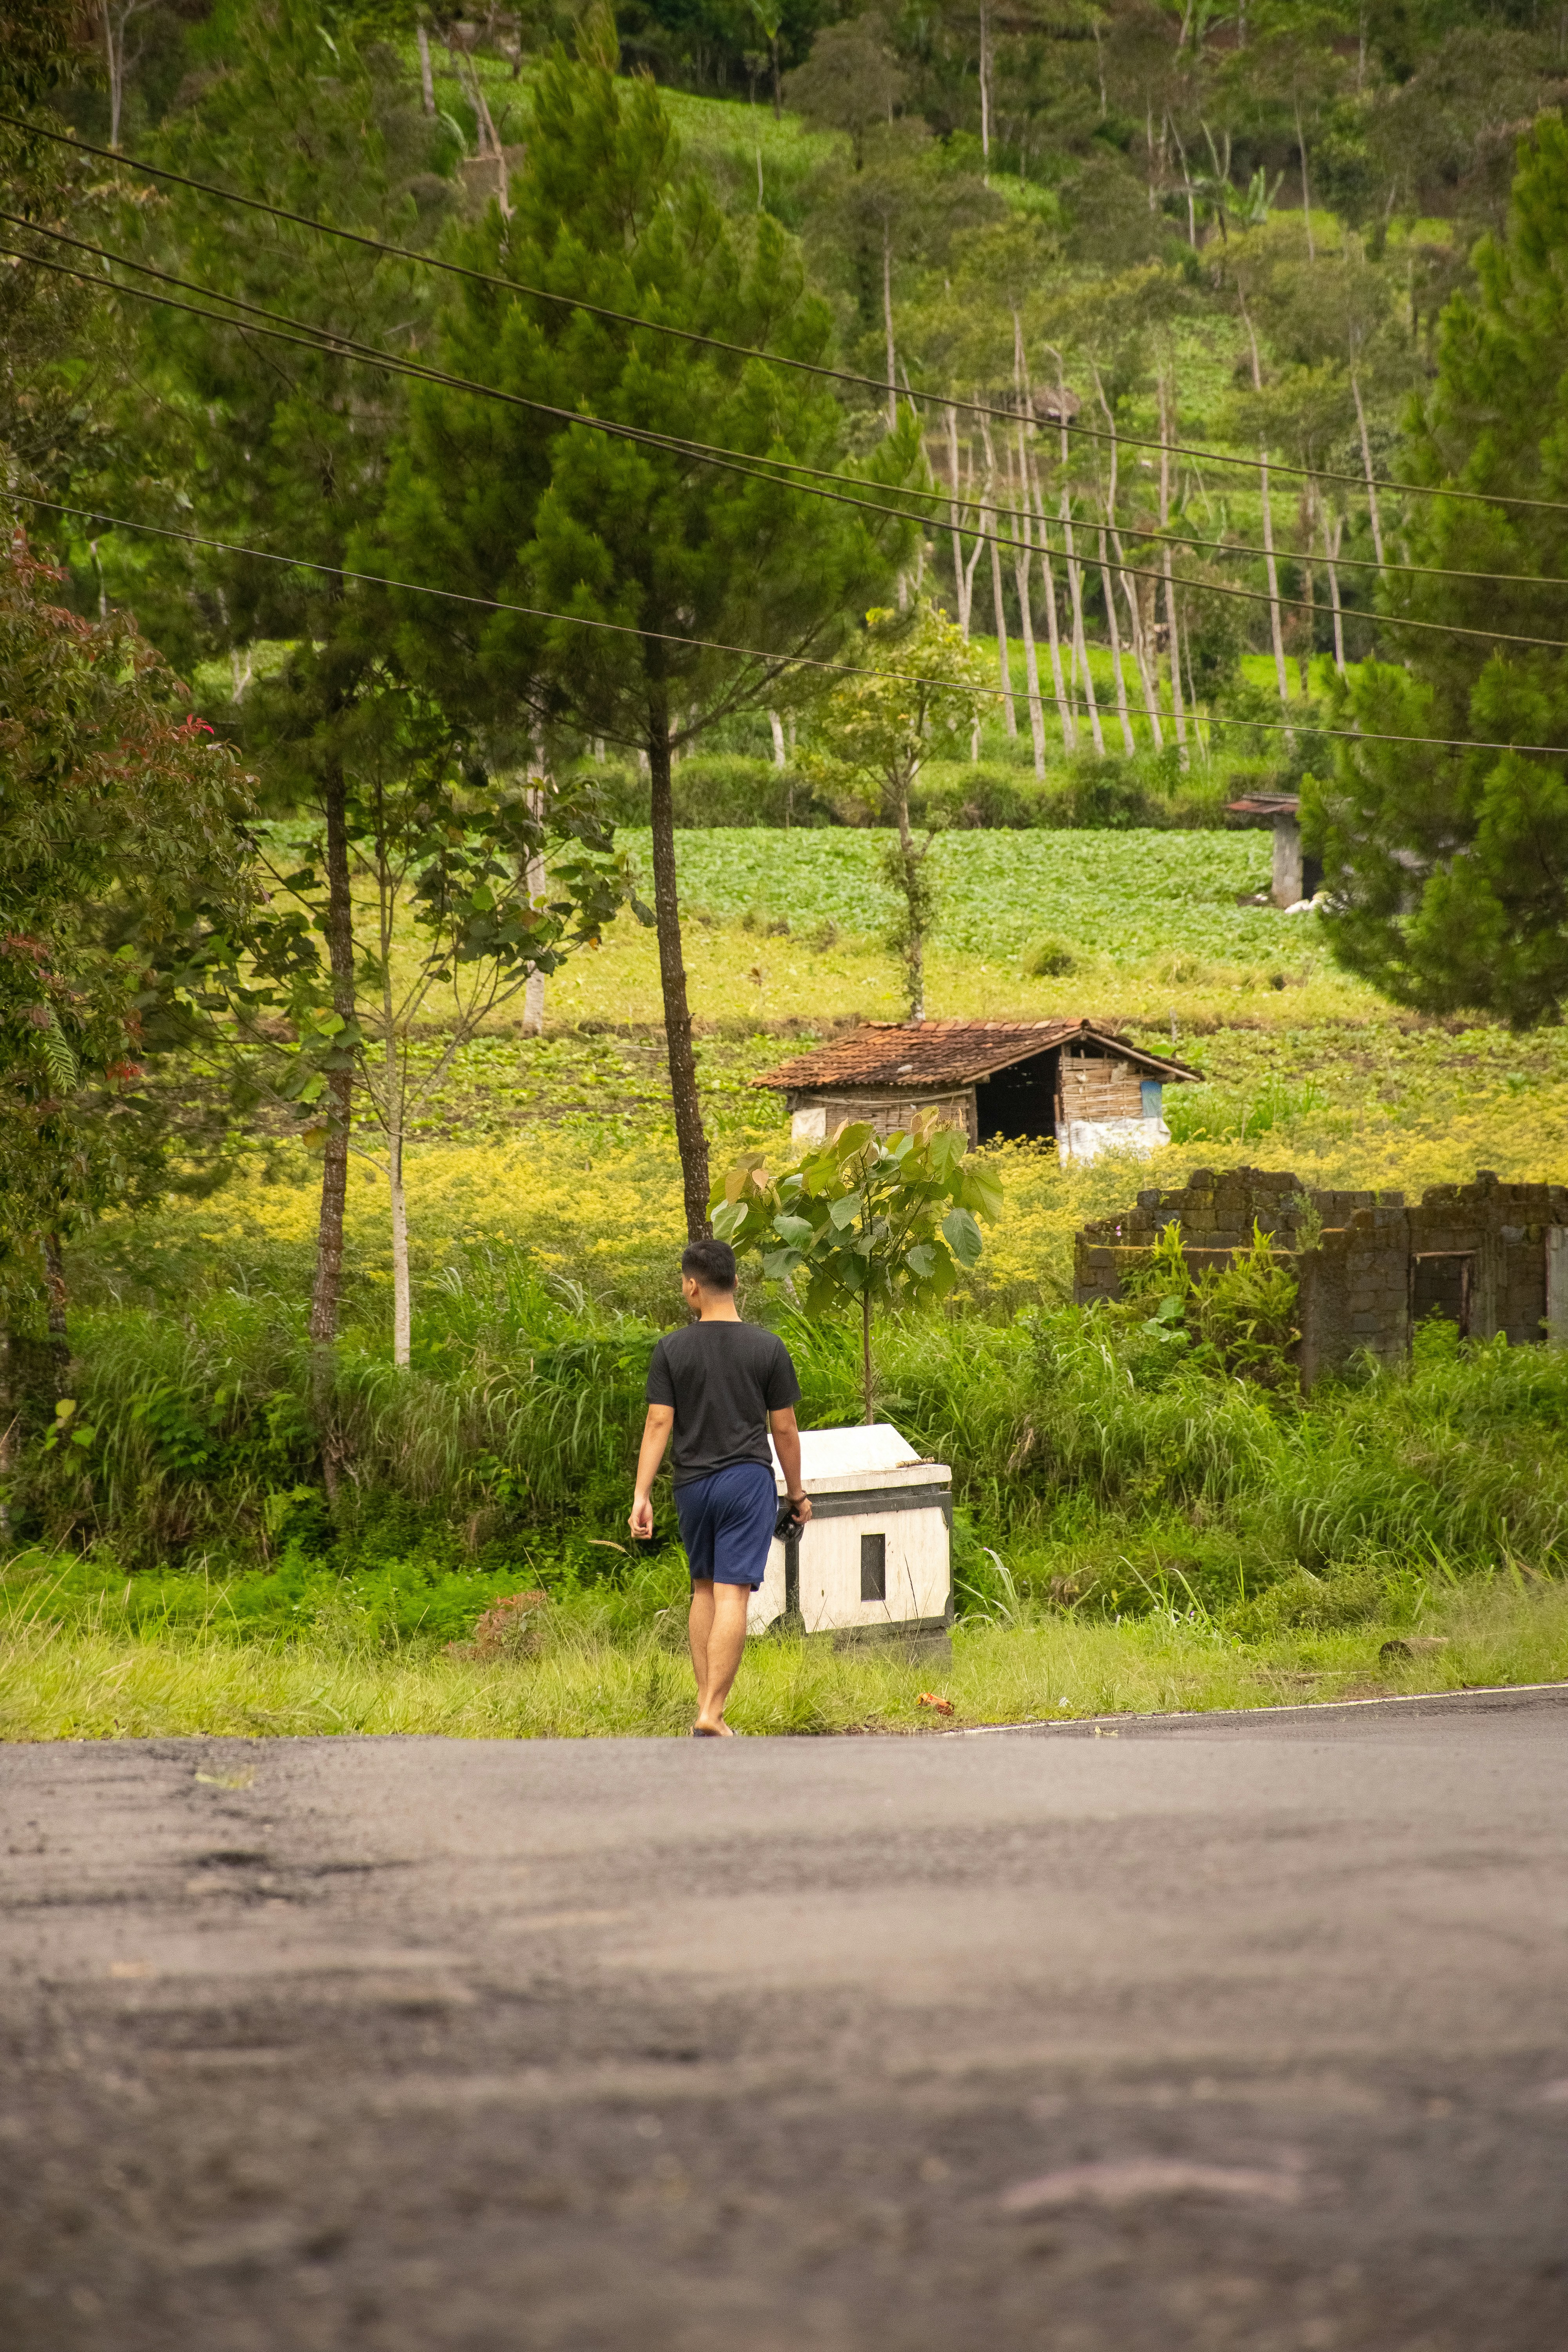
(787, 1446)
(654, 1438)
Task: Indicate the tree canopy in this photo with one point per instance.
(1451, 864)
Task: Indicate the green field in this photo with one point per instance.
(1133, 1532)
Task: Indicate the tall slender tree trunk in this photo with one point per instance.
(915, 951)
(690, 1138)
(1108, 589)
(1330, 550)
(1079, 642)
(1107, 529)
(1275, 622)
(327, 1295)
(1023, 565)
(1065, 711)
(427, 81)
(1373, 517)
(1021, 569)
(866, 1380)
(888, 325)
(984, 92)
(962, 575)
(1172, 629)
(1306, 192)
(534, 880)
(55, 1301)
(401, 1292)
(1075, 577)
(1004, 666)
(115, 50)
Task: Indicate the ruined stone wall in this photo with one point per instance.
(1359, 1254)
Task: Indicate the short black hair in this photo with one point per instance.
(710, 1262)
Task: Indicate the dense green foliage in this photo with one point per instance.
(1452, 863)
(117, 853)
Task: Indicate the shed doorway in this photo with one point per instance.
(1019, 1104)
(1440, 1285)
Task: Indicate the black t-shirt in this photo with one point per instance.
(723, 1379)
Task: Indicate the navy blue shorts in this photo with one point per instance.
(727, 1522)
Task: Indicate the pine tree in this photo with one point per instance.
(1451, 865)
(672, 552)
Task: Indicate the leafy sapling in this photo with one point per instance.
(865, 1221)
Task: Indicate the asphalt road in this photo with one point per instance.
(1244, 2034)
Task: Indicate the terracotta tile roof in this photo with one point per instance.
(1265, 804)
(892, 1055)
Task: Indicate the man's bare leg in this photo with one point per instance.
(698, 1625)
(717, 1630)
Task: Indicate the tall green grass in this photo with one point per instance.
(1100, 1468)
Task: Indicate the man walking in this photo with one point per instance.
(720, 1385)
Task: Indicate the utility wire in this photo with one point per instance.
(776, 663)
(949, 498)
(281, 329)
(515, 287)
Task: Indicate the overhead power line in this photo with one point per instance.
(950, 498)
(777, 664)
(282, 328)
(516, 287)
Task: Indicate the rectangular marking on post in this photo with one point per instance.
(873, 1568)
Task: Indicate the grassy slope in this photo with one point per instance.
(557, 1153)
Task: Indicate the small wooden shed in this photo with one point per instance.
(1072, 1082)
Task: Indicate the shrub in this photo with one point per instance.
(1048, 958)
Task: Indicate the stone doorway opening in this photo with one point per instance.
(1440, 1285)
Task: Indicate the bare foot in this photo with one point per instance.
(719, 1731)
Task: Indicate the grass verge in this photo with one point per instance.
(71, 1683)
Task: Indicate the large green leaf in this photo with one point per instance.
(963, 1237)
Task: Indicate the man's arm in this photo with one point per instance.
(654, 1438)
(786, 1444)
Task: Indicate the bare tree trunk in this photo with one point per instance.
(1022, 566)
(866, 1355)
(915, 948)
(402, 1294)
(1108, 500)
(1331, 550)
(55, 1297)
(1172, 630)
(426, 80)
(984, 92)
(115, 49)
(1306, 193)
(1373, 514)
(888, 323)
(1274, 621)
(963, 578)
(1080, 643)
(780, 758)
(1108, 589)
(690, 1138)
(1064, 712)
(327, 1295)
(534, 880)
